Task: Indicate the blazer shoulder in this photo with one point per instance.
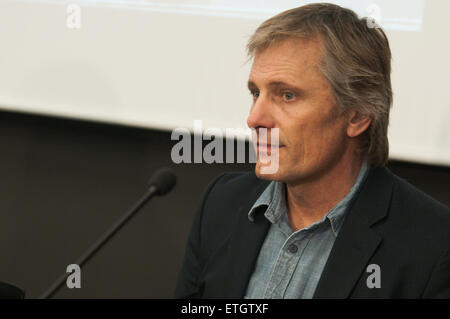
(238, 179)
(229, 195)
(235, 187)
(417, 200)
(421, 214)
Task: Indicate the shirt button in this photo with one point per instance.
(293, 248)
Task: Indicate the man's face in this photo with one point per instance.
(289, 93)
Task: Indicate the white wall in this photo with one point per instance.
(142, 66)
(420, 117)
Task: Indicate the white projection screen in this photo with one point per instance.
(164, 64)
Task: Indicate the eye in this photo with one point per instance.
(254, 94)
(288, 96)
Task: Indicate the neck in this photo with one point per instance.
(308, 201)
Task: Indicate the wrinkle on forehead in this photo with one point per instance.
(295, 59)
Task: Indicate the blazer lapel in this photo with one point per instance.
(244, 246)
(356, 241)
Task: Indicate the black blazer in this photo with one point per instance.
(391, 224)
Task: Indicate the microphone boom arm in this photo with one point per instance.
(101, 241)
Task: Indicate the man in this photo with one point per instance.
(331, 221)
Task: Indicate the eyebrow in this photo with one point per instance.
(251, 85)
(275, 84)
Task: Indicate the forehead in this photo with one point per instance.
(288, 60)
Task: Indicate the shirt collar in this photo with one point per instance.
(273, 200)
(269, 200)
(337, 213)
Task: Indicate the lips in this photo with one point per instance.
(258, 143)
(269, 145)
(267, 148)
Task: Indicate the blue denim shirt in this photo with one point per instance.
(290, 263)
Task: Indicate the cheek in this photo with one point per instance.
(329, 139)
(316, 138)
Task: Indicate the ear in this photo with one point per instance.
(357, 124)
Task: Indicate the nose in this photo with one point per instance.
(261, 114)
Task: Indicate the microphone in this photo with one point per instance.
(8, 291)
(161, 182)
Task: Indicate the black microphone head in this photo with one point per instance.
(164, 180)
(8, 291)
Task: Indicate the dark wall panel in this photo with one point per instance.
(64, 182)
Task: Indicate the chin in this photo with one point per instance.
(267, 173)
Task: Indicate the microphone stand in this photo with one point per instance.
(102, 241)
